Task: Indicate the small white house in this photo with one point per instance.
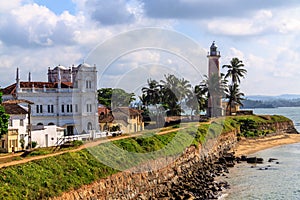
(17, 129)
(47, 136)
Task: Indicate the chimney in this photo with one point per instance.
(29, 77)
(17, 81)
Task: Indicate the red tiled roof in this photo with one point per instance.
(126, 110)
(103, 110)
(14, 109)
(106, 118)
(11, 89)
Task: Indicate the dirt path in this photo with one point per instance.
(86, 145)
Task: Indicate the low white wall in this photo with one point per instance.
(47, 137)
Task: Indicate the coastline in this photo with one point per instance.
(252, 145)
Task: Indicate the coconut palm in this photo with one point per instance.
(197, 100)
(175, 91)
(214, 86)
(234, 97)
(235, 70)
(152, 93)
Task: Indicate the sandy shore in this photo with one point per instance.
(250, 146)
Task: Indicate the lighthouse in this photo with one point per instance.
(215, 96)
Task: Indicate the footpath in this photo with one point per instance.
(84, 146)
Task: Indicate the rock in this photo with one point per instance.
(259, 160)
(230, 164)
(254, 160)
(251, 160)
(243, 158)
(272, 159)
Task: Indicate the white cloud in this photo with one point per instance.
(6, 6)
(255, 25)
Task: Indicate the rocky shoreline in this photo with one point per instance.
(206, 179)
(199, 182)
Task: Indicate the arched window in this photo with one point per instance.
(40, 124)
(89, 126)
(51, 124)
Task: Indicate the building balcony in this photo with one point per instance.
(48, 90)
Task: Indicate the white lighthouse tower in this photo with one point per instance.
(215, 98)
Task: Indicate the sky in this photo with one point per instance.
(131, 41)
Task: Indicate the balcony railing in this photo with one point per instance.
(48, 90)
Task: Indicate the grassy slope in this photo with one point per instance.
(53, 175)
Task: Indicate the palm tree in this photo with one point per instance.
(152, 94)
(175, 91)
(234, 96)
(197, 100)
(214, 86)
(235, 70)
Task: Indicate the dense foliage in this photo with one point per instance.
(3, 118)
(112, 98)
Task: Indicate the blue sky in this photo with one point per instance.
(37, 34)
(58, 6)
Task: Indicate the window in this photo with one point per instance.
(10, 122)
(21, 122)
(89, 126)
(88, 84)
(76, 108)
(88, 107)
(69, 108)
(62, 108)
(50, 109)
(39, 108)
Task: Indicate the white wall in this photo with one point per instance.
(47, 137)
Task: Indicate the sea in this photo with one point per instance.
(275, 180)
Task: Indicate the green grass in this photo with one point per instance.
(51, 176)
(249, 125)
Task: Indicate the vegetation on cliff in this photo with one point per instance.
(51, 176)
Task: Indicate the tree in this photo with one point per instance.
(104, 96)
(235, 70)
(181, 88)
(214, 86)
(3, 118)
(112, 98)
(121, 98)
(234, 96)
(175, 91)
(197, 100)
(152, 94)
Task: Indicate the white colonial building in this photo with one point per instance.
(68, 99)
